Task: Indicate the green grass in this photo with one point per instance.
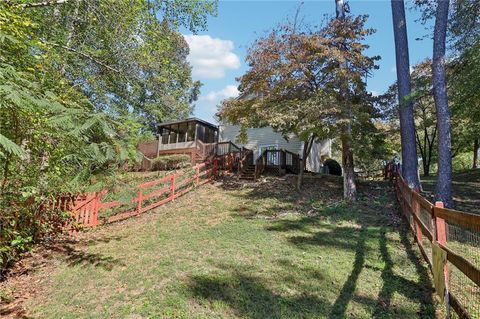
(466, 189)
(226, 251)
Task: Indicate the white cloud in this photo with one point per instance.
(211, 57)
(215, 97)
(374, 93)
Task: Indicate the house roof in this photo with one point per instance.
(190, 119)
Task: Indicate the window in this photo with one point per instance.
(165, 132)
(182, 132)
(201, 133)
(191, 131)
(173, 133)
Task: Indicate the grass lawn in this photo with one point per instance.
(227, 251)
(466, 189)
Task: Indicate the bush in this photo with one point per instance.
(334, 167)
(168, 162)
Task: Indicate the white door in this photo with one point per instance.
(272, 158)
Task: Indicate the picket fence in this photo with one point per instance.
(85, 209)
(456, 233)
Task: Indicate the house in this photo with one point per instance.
(201, 140)
(192, 136)
(265, 138)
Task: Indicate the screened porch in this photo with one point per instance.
(185, 134)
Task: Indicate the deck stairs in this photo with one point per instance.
(248, 172)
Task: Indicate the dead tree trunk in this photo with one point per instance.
(443, 188)
(407, 124)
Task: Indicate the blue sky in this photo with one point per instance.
(217, 55)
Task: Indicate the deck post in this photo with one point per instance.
(159, 142)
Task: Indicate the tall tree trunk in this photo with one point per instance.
(475, 153)
(307, 148)
(407, 124)
(443, 188)
(349, 187)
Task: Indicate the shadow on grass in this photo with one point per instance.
(393, 283)
(250, 298)
(343, 226)
(13, 311)
(465, 190)
(76, 257)
(348, 290)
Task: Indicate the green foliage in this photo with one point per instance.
(462, 161)
(168, 162)
(81, 83)
(126, 56)
(334, 168)
(310, 81)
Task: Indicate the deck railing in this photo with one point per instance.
(227, 147)
(292, 162)
(205, 150)
(449, 234)
(278, 162)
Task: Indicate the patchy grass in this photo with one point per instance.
(233, 251)
(466, 190)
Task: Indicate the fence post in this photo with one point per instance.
(441, 238)
(96, 208)
(172, 185)
(416, 211)
(140, 199)
(197, 172)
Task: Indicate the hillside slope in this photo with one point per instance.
(233, 251)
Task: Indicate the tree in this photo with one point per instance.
(126, 56)
(407, 125)
(424, 112)
(464, 95)
(443, 188)
(349, 187)
(71, 103)
(294, 79)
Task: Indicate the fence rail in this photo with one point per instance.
(93, 209)
(455, 233)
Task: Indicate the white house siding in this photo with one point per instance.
(266, 136)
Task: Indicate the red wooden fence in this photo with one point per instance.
(85, 208)
(456, 233)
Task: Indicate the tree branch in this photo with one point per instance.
(35, 4)
(91, 58)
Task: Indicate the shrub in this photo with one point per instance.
(167, 162)
(334, 167)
